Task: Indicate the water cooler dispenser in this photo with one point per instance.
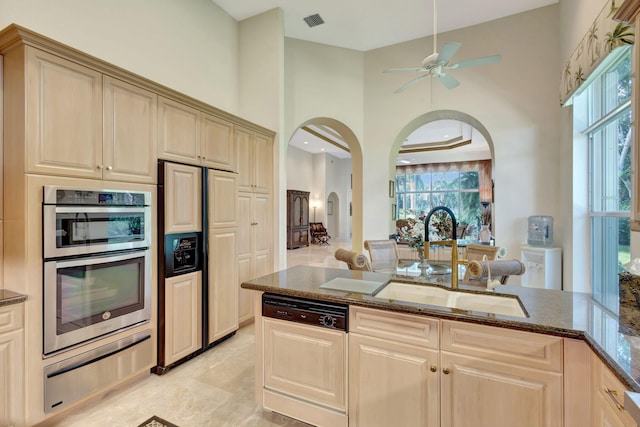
(543, 262)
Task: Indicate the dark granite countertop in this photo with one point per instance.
(560, 313)
(8, 297)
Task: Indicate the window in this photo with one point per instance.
(456, 186)
(608, 100)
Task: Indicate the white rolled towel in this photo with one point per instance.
(500, 267)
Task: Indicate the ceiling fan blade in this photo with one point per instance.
(448, 80)
(411, 83)
(485, 60)
(446, 53)
(404, 70)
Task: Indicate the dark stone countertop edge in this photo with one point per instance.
(8, 297)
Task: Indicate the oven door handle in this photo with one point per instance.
(98, 209)
(96, 359)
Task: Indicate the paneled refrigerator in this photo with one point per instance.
(197, 268)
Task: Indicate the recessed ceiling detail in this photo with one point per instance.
(314, 20)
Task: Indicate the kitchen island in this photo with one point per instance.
(574, 333)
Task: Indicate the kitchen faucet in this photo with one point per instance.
(453, 242)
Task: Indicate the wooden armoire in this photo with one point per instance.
(297, 219)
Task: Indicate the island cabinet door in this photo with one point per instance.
(392, 384)
(483, 393)
(308, 363)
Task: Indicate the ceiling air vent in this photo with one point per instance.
(313, 20)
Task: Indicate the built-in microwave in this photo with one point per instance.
(80, 222)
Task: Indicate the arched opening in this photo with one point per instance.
(333, 181)
(445, 158)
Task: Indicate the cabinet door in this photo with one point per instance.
(64, 117)
(178, 132)
(306, 362)
(223, 199)
(483, 393)
(182, 198)
(129, 149)
(217, 146)
(183, 316)
(607, 397)
(262, 163)
(11, 365)
(242, 138)
(223, 284)
(262, 224)
(245, 255)
(392, 384)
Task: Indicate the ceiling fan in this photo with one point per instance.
(438, 63)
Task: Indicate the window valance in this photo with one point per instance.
(604, 35)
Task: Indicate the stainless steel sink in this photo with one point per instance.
(434, 295)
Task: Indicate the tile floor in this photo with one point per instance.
(214, 389)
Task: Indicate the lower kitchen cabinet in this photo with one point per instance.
(607, 396)
(305, 371)
(474, 375)
(183, 316)
(483, 393)
(392, 384)
(12, 365)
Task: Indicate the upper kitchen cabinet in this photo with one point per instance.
(63, 123)
(182, 193)
(254, 160)
(178, 131)
(129, 140)
(189, 135)
(66, 119)
(216, 144)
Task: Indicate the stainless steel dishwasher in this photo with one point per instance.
(305, 359)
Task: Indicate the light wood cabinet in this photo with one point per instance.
(306, 362)
(474, 375)
(255, 254)
(188, 135)
(254, 160)
(183, 198)
(392, 383)
(129, 139)
(178, 131)
(217, 146)
(607, 396)
(183, 316)
(81, 123)
(12, 365)
(223, 291)
(63, 115)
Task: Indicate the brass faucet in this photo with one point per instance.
(454, 257)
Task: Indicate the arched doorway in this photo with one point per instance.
(322, 180)
(445, 158)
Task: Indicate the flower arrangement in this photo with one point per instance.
(414, 234)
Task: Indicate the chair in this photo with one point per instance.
(319, 233)
(382, 252)
(477, 253)
(354, 260)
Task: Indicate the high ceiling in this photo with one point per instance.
(369, 24)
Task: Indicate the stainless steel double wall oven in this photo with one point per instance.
(97, 264)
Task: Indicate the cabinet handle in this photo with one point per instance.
(434, 368)
(612, 395)
(99, 166)
(445, 371)
(109, 168)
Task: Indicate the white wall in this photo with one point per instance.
(516, 100)
(300, 169)
(190, 46)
